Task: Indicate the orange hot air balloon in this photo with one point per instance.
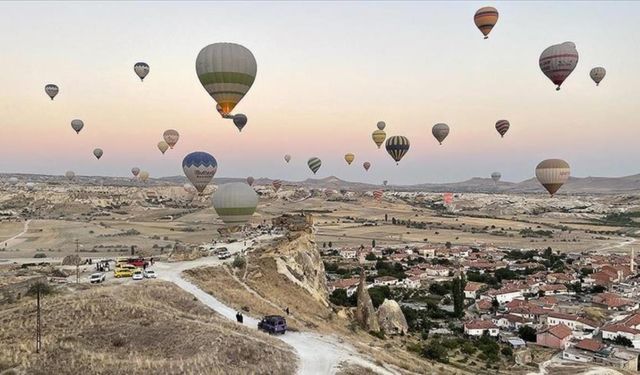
(485, 19)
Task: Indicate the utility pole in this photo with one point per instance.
(38, 323)
(77, 262)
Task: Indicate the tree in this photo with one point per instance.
(330, 245)
(324, 244)
(371, 256)
(339, 297)
(373, 243)
(457, 294)
(393, 220)
(447, 244)
(436, 351)
(378, 294)
(621, 340)
(386, 217)
(527, 333)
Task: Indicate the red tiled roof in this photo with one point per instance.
(484, 304)
(473, 286)
(479, 324)
(560, 331)
(620, 328)
(590, 345)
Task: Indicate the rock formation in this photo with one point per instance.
(391, 318)
(71, 260)
(365, 313)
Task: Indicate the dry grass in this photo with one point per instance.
(152, 327)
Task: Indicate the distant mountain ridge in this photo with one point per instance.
(575, 185)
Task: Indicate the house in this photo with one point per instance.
(556, 336)
(348, 253)
(479, 327)
(427, 252)
(611, 331)
(471, 289)
(484, 304)
(612, 301)
(553, 289)
(412, 282)
(436, 270)
(510, 321)
(505, 295)
(385, 280)
(351, 285)
(576, 323)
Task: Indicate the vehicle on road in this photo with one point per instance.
(97, 278)
(138, 275)
(122, 272)
(274, 324)
(150, 274)
(224, 255)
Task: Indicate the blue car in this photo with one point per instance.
(273, 324)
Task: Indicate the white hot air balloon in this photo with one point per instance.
(558, 61)
(597, 74)
(143, 176)
(235, 203)
(552, 174)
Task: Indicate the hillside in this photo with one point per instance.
(146, 328)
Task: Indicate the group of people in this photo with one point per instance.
(239, 317)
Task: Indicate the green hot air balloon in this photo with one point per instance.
(235, 203)
(314, 164)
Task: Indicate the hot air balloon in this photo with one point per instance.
(239, 121)
(349, 158)
(51, 90)
(13, 181)
(135, 171)
(496, 176)
(30, 186)
(485, 19)
(381, 125)
(377, 194)
(235, 203)
(97, 153)
(199, 167)
(287, 158)
(440, 131)
(77, 125)
(378, 137)
(314, 164)
(597, 74)
(366, 165)
(70, 175)
(552, 174)
(143, 176)
(250, 180)
(447, 198)
(558, 61)
(502, 126)
(163, 147)
(397, 147)
(171, 137)
(227, 71)
(385, 182)
(141, 69)
(277, 184)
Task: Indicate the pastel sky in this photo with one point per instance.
(327, 72)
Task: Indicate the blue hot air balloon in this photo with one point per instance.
(199, 167)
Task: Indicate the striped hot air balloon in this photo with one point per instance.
(141, 69)
(51, 90)
(597, 74)
(171, 136)
(502, 126)
(277, 184)
(227, 71)
(552, 174)
(135, 171)
(397, 146)
(250, 180)
(558, 61)
(235, 203)
(77, 125)
(349, 158)
(440, 132)
(199, 167)
(378, 137)
(366, 165)
(485, 19)
(314, 164)
(377, 194)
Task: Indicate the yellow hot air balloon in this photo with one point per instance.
(485, 19)
(349, 158)
(226, 71)
(143, 176)
(163, 147)
(378, 137)
(552, 174)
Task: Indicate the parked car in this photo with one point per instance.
(273, 324)
(122, 272)
(138, 275)
(224, 255)
(150, 274)
(97, 278)
(220, 250)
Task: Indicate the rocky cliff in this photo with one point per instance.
(391, 318)
(365, 312)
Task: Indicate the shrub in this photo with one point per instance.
(40, 255)
(507, 351)
(238, 262)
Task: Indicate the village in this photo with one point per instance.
(582, 306)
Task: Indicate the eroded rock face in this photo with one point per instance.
(391, 318)
(365, 313)
(71, 260)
